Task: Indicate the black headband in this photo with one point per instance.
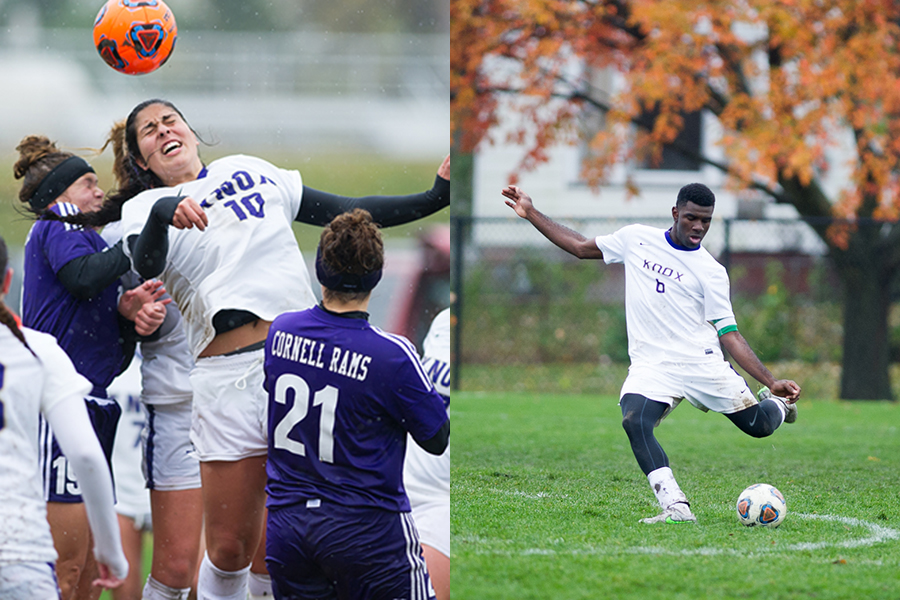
(344, 282)
(58, 181)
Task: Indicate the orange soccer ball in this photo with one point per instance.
(135, 36)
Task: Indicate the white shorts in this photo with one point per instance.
(433, 524)
(32, 580)
(426, 478)
(714, 386)
(230, 407)
(169, 461)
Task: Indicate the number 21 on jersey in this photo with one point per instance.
(327, 398)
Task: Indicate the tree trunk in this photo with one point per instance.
(866, 356)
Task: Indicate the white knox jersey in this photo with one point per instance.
(246, 259)
(28, 386)
(436, 352)
(426, 477)
(671, 296)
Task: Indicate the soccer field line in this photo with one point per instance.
(876, 534)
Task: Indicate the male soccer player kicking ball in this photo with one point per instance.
(679, 317)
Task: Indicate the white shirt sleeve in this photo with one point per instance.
(614, 246)
(717, 295)
(70, 423)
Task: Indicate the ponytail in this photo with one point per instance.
(7, 318)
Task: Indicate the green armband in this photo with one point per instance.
(725, 325)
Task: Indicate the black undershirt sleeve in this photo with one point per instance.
(319, 208)
(438, 443)
(152, 245)
(86, 276)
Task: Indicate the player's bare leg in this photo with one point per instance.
(438, 565)
(132, 544)
(86, 590)
(71, 538)
(234, 498)
(177, 525)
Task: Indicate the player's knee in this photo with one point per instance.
(764, 429)
(177, 571)
(633, 423)
(634, 419)
(230, 555)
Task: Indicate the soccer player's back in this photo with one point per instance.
(344, 393)
(342, 397)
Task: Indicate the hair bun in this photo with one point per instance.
(32, 149)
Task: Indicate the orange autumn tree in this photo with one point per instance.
(787, 81)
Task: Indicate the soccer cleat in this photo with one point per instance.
(790, 408)
(676, 514)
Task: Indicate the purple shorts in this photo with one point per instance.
(326, 551)
(60, 484)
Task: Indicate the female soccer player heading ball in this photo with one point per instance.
(232, 264)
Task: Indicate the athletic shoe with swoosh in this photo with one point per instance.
(678, 513)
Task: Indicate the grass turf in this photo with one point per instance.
(547, 496)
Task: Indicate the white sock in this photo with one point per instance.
(663, 484)
(216, 584)
(154, 590)
(260, 586)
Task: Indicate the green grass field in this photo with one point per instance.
(547, 496)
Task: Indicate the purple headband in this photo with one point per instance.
(344, 282)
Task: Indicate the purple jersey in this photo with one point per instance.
(342, 396)
(88, 330)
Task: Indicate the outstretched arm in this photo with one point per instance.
(743, 354)
(319, 208)
(571, 241)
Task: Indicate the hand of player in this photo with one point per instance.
(519, 201)
(444, 169)
(188, 214)
(786, 389)
(150, 317)
(107, 580)
(132, 300)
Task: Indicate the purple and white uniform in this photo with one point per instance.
(88, 331)
(342, 397)
(45, 383)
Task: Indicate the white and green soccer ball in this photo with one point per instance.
(761, 504)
